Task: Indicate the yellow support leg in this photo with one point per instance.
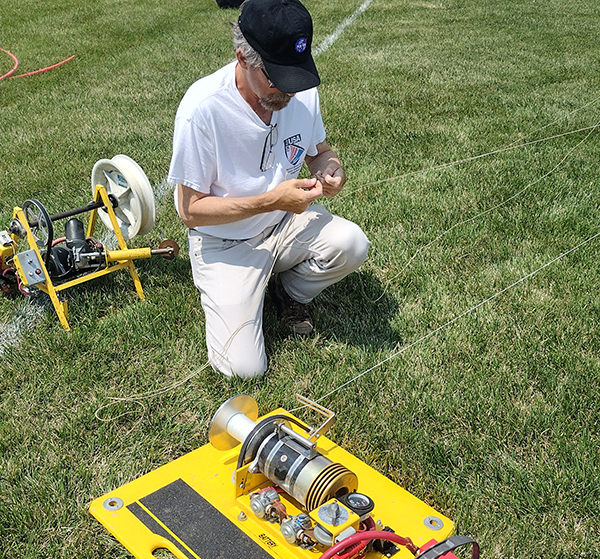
(136, 281)
(100, 194)
(47, 287)
(59, 306)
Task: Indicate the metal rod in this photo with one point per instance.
(69, 213)
(162, 251)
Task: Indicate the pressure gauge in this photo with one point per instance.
(358, 503)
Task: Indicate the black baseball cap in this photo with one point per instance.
(281, 32)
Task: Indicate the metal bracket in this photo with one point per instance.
(329, 415)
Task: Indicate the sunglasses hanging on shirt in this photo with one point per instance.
(268, 157)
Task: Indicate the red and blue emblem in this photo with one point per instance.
(301, 44)
(293, 151)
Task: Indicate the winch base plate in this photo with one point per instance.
(189, 507)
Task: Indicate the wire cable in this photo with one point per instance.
(508, 147)
(489, 210)
(455, 319)
(137, 398)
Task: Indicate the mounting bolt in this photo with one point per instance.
(112, 503)
(434, 523)
(242, 516)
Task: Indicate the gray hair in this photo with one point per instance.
(239, 42)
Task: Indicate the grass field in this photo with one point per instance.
(493, 419)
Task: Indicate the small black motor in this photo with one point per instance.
(75, 234)
(80, 254)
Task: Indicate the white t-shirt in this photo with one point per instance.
(219, 140)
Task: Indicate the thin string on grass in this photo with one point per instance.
(453, 320)
(115, 417)
(508, 147)
(139, 398)
(489, 210)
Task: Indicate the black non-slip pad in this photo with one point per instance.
(203, 529)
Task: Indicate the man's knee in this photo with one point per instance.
(360, 246)
(354, 245)
(243, 366)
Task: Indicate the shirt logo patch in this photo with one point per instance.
(293, 151)
(301, 44)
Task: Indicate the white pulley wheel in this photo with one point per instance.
(123, 178)
(141, 184)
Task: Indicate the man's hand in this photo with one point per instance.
(199, 210)
(296, 195)
(327, 169)
(332, 180)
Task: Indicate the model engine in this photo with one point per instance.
(273, 487)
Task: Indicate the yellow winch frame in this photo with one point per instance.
(197, 507)
(115, 260)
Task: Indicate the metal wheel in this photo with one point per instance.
(40, 224)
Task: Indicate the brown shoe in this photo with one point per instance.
(293, 314)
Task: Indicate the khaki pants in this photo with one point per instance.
(310, 251)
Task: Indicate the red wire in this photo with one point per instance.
(30, 73)
(20, 285)
(45, 69)
(365, 536)
(14, 67)
(281, 507)
(353, 550)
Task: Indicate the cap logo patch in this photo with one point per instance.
(301, 44)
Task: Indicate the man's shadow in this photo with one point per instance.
(356, 311)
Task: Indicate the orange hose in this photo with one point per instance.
(14, 67)
(44, 69)
(30, 73)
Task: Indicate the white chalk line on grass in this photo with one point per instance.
(330, 39)
(22, 321)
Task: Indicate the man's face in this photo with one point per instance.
(275, 100)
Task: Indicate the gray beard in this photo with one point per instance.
(275, 101)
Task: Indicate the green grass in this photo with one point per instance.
(494, 420)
